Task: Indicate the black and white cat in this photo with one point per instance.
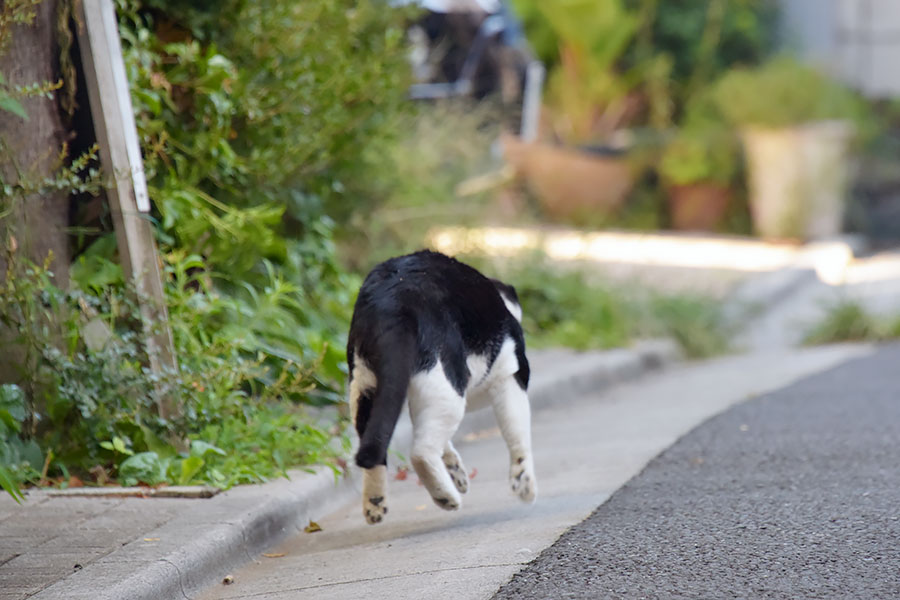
(431, 330)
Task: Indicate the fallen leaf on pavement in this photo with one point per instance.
(228, 579)
(151, 539)
(273, 554)
(402, 473)
(421, 507)
(473, 473)
(312, 527)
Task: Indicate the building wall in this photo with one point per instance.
(856, 40)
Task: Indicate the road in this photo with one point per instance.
(792, 495)
(585, 449)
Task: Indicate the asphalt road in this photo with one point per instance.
(795, 494)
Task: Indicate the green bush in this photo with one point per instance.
(570, 308)
(260, 124)
(849, 321)
(781, 93)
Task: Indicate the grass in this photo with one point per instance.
(849, 321)
(572, 309)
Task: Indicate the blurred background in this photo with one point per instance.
(629, 165)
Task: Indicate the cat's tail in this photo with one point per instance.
(393, 370)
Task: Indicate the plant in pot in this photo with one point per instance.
(697, 167)
(587, 100)
(796, 125)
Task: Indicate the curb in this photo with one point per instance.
(199, 547)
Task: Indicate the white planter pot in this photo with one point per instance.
(798, 179)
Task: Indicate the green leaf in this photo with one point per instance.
(119, 445)
(202, 449)
(157, 444)
(9, 485)
(189, 468)
(12, 400)
(12, 105)
(144, 467)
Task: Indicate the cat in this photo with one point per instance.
(434, 331)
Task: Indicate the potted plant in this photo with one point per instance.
(796, 126)
(579, 173)
(697, 167)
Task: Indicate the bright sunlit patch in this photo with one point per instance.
(631, 248)
(877, 268)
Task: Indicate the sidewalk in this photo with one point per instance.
(60, 546)
(584, 452)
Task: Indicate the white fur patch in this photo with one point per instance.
(514, 309)
(363, 379)
(478, 393)
(436, 410)
(478, 369)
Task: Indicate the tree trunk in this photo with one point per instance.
(31, 149)
(35, 224)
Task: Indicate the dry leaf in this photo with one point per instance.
(473, 473)
(402, 473)
(312, 527)
(151, 539)
(228, 579)
(422, 507)
(273, 554)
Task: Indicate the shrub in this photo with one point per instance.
(781, 93)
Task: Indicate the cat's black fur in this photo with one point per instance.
(411, 312)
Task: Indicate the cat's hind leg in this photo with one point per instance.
(436, 409)
(374, 494)
(510, 403)
(456, 468)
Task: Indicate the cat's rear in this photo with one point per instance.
(436, 331)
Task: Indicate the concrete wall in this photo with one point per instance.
(857, 40)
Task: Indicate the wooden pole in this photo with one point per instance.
(120, 156)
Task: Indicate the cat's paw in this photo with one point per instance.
(374, 509)
(522, 480)
(458, 475)
(446, 502)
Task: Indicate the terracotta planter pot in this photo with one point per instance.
(568, 182)
(698, 206)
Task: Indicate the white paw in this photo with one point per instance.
(458, 475)
(374, 509)
(447, 502)
(522, 480)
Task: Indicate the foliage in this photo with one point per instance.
(781, 93)
(569, 308)
(693, 157)
(439, 146)
(17, 456)
(258, 123)
(94, 406)
(591, 39)
(706, 38)
(703, 149)
(848, 321)
(638, 62)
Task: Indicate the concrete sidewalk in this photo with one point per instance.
(60, 546)
(584, 452)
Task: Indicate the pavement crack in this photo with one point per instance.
(180, 577)
(8, 558)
